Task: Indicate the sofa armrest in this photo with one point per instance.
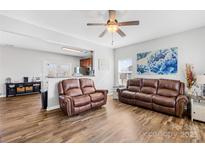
(120, 90)
(181, 101)
(182, 98)
(105, 92)
(66, 104)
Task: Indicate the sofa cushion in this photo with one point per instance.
(150, 83)
(74, 92)
(86, 82)
(134, 84)
(71, 87)
(70, 83)
(97, 96)
(164, 109)
(97, 104)
(148, 90)
(128, 94)
(80, 109)
(167, 92)
(149, 86)
(133, 88)
(88, 90)
(87, 86)
(169, 87)
(81, 100)
(144, 104)
(164, 101)
(144, 97)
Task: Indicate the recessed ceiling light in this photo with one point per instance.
(70, 49)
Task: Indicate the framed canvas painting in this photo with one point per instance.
(159, 62)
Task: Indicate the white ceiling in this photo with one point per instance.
(153, 24)
(15, 40)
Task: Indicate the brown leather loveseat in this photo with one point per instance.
(79, 95)
(163, 95)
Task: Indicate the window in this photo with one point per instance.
(124, 71)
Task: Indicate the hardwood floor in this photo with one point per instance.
(22, 120)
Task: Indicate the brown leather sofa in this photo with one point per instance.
(79, 95)
(163, 95)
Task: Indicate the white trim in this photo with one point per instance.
(53, 108)
(2, 96)
(110, 94)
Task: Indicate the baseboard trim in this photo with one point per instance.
(2, 96)
(53, 108)
(110, 94)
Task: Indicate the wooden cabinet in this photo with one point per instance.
(86, 63)
(198, 108)
(15, 89)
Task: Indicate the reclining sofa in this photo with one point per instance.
(162, 95)
(79, 95)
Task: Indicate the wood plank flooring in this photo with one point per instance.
(23, 120)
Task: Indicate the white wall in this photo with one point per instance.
(1, 72)
(104, 78)
(191, 49)
(17, 63)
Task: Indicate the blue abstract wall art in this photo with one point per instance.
(160, 62)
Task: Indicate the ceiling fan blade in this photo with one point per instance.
(129, 23)
(121, 33)
(112, 15)
(103, 33)
(96, 24)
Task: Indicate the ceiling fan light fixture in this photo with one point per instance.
(112, 28)
(113, 25)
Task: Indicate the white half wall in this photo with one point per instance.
(191, 49)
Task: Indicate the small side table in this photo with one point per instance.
(197, 108)
(115, 94)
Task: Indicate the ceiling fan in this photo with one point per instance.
(113, 25)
